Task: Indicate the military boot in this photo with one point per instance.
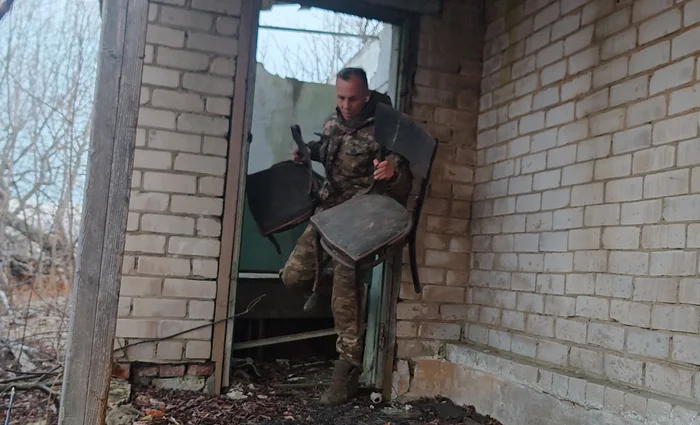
(344, 384)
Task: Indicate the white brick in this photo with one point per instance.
(650, 57)
(154, 160)
(546, 180)
(540, 325)
(606, 336)
(576, 87)
(537, 40)
(612, 23)
(182, 59)
(607, 122)
(615, 166)
(673, 263)
(152, 244)
(596, 9)
(546, 97)
(553, 241)
(579, 40)
(660, 26)
(561, 156)
(202, 247)
(636, 88)
(632, 139)
(549, 54)
(592, 104)
(532, 122)
(156, 118)
(570, 218)
(693, 236)
(528, 203)
(682, 208)
(571, 330)
(674, 129)
(580, 284)
(227, 26)
(645, 8)
(526, 85)
(555, 199)
(645, 111)
(669, 380)
(203, 124)
(174, 16)
(553, 73)
(619, 44)
(671, 76)
(610, 285)
(523, 67)
(544, 140)
(592, 307)
(196, 205)
(200, 164)
(550, 284)
(577, 174)
(546, 16)
(675, 318)
(610, 72)
(655, 290)
(223, 66)
(208, 84)
(165, 36)
(691, 13)
(641, 212)
(226, 7)
(664, 236)
(685, 43)
(654, 159)
(176, 100)
(621, 238)
(148, 201)
(584, 60)
(590, 261)
(552, 353)
(689, 292)
(168, 182)
(648, 344)
(167, 224)
(587, 194)
(507, 131)
(158, 139)
(212, 43)
(624, 190)
(630, 263)
(560, 306)
(623, 369)
(565, 25)
(584, 239)
(598, 147)
(665, 184)
(558, 262)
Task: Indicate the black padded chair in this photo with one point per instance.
(364, 231)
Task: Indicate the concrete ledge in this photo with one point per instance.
(518, 392)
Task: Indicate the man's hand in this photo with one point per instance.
(295, 155)
(383, 170)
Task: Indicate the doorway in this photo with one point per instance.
(299, 50)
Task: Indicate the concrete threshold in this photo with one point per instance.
(517, 391)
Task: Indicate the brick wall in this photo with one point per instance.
(446, 99)
(587, 195)
(174, 225)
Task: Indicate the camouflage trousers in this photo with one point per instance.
(347, 299)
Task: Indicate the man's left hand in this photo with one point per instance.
(383, 170)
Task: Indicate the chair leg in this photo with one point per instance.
(313, 299)
(414, 264)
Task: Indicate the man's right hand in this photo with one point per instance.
(295, 155)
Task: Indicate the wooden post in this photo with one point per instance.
(93, 316)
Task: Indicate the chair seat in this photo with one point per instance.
(363, 225)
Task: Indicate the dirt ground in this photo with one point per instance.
(270, 394)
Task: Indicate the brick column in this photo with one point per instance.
(446, 100)
(174, 227)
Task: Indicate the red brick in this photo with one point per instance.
(441, 133)
(457, 278)
(407, 292)
(444, 294)
(435, 97)
(437, 224)
(439, 190)
(422, 112)
(468, 100)
(146, 371)
(458, 173)
(435, 241)
(466, 155)
(200, 369)
(463, 192)
(438, 61)
(426, 275)
(461, 209)
(121, 370)
(170, 371)
(450, 260)
(432, 377)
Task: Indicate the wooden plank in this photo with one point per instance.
(233, 194)
(282, 339)
(93, 315)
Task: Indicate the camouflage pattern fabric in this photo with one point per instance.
(347, 150)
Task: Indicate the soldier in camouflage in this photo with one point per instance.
(348, 152)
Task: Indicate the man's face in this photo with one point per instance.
(352, 96)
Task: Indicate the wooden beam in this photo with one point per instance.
(234, 193)
(93, 315)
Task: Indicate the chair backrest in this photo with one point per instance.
(401, 134)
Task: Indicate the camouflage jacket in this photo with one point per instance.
(347, 150)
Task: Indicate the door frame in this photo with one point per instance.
(234, 192)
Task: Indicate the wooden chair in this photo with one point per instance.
(364, 231)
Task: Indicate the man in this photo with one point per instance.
(348, 152)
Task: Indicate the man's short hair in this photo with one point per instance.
(346, 74)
